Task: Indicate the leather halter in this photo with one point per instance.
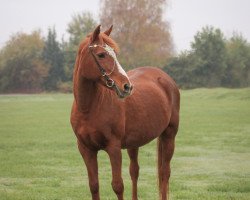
(110, 83)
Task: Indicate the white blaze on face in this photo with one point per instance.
(112, 53)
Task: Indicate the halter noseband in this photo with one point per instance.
(110, 83)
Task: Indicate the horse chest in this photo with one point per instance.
(91, 137)
(97, 131)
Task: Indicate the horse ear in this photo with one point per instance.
(96, 33)
(107, 32)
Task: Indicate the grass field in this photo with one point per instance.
(39, 158)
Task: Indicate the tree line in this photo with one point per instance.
(34, 63)
(213, 61)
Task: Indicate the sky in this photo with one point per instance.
(186, 17)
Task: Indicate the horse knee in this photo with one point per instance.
(94, 187)
(118, 186)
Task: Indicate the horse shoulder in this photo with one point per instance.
(96, 131)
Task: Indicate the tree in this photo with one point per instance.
(182, 69)
(210, 49)
(205, 64)
(140, 30)
(53, 56)
(238, 62)
(80, 25)
(21, 66)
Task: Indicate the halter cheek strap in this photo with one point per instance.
(109, 82)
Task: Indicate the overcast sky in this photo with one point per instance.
(185, 16)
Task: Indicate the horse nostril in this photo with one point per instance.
(127, 87)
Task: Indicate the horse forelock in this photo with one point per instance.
(110, 42)
(103, 39)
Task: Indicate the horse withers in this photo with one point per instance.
(114, 110)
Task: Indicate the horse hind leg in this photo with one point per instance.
(134, 170)
(166, 145)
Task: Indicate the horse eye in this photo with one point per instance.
(101, 55)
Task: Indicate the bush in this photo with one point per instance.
(65, 87)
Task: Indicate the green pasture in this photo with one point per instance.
(39, 159)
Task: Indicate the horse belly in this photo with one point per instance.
(138, 139)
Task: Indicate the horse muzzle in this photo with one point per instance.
(122, 93)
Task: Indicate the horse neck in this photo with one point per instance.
(85, 94)
(91, 96)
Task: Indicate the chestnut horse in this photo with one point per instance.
(114, 110)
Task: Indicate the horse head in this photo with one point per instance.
(97, 61)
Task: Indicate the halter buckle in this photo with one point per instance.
(110, 83)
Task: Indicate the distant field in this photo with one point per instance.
(39, 159)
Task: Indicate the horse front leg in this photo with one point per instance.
(134, 170)
(90, 159)
(115, 155)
